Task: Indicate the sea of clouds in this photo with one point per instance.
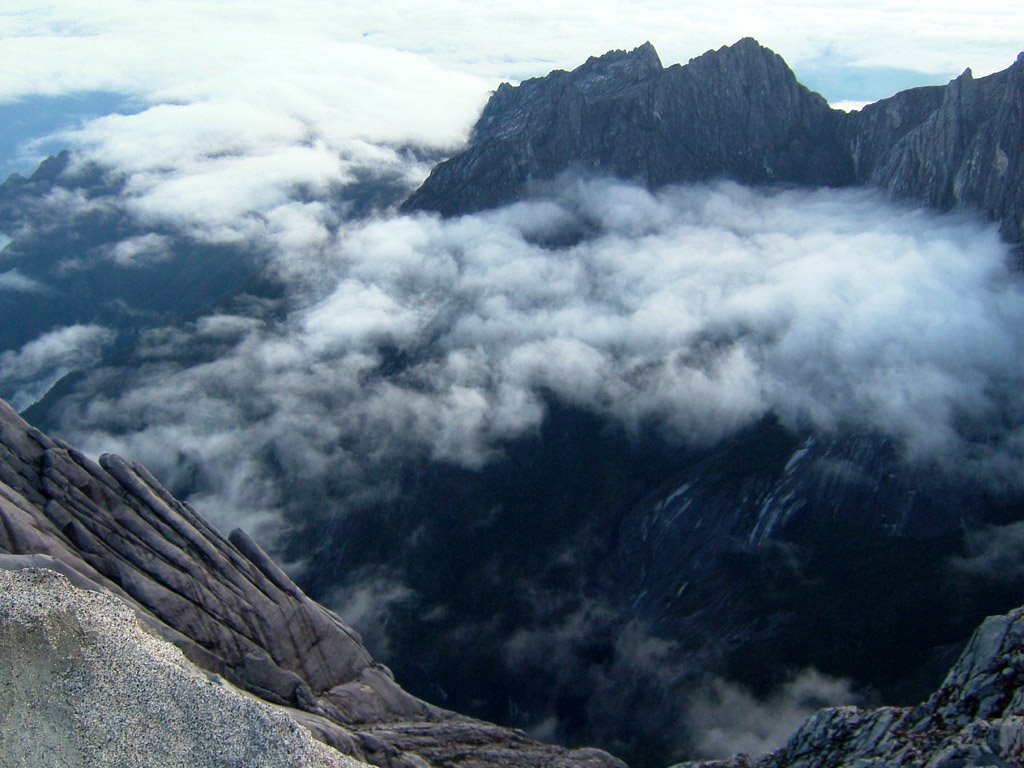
(693, 311)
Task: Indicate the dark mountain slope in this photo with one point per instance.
(740, 113)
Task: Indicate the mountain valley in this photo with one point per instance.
(609, 413)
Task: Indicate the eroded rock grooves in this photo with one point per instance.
(740, 113)
(225, 604)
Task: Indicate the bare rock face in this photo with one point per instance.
(85, 687)
(976, 718)
(228, 607)
(739, 113)
(961, 145)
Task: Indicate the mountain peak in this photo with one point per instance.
(747, 44)
(643, 59)
(737, 112)
(616, 70)
(745, 47)
(746, 55)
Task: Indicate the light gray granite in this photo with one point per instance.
(85, 685)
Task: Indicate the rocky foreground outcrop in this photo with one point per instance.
(83, 682)
(85, 687)
(976, 718)
(111, 526)
(740, 113)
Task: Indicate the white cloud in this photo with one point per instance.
(726, 719)
(175, 49)
(225, 169)
(141, 250)
(694, 311)
(13, 280)
(226, 326)
(359, 316)
(244, 102)
(28, 373)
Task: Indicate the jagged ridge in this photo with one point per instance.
(740, 113)
(737, 112)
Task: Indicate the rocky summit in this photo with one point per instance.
(111, 526)
(737, 112)
(740, 113)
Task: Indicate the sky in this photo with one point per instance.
(225, 76)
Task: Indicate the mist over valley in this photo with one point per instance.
(708, 449)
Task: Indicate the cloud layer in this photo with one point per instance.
(693, 311)
(105, 45)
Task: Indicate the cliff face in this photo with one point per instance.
(740, 113)
(960, 145)
(228, 607)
